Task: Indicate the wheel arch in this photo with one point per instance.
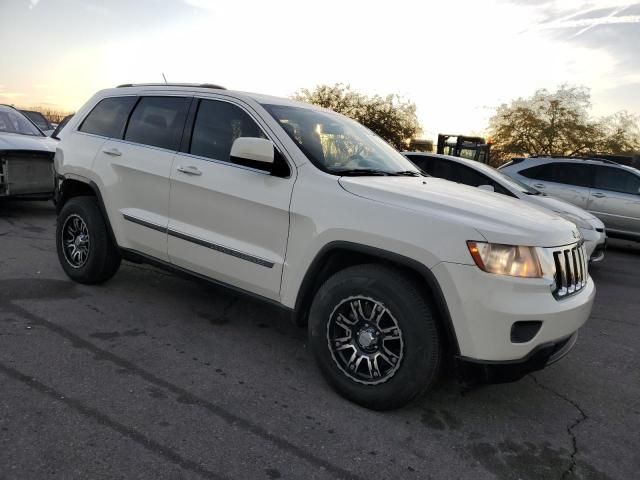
(338, 255)
(72, 187)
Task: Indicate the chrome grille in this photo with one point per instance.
(571, 270)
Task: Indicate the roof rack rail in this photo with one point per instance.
(569, 157)
(197, 85)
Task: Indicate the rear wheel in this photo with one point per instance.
(374, 336)
(85, 249)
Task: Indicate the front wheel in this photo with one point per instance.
(374, 336)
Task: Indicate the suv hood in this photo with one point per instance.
(16, 141)
(497, 218)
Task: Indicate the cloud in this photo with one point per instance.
(33, 4)
(586, 24)
(12, 95)
(202, 4)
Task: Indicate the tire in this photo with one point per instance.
(99, 258)
(418, 348)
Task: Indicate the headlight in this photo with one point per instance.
(513, 260)
(580, 223)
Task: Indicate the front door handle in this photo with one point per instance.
(114, 152)
(190, 170)
(538, 185)
(598, 195)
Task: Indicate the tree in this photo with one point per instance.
(620, 134)
(558, 123)
(391, 117)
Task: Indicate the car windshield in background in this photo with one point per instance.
(338, 145)
(510, 182)
(36, 117)
(12, 121)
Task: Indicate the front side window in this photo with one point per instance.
(12, 121)
(616, 180)
(338, 145)
(561, 172)
(108, 117)
(158, 122)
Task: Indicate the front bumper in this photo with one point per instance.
(595, 243)
(484, 308)
(475, 371)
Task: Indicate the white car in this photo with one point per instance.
(603, 187)
(395, 273)
(478, 174)
(26, 158)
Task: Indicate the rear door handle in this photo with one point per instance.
(538, 185)
(598, 195)
(190, 170)
(114, 152)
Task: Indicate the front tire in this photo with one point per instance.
(85, 249)
(375, 337)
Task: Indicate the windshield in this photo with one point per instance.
(36, 117)
(12, 121)
(338, 145)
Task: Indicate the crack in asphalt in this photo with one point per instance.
(216, 410)
(229, 306)
(570, 428)
(105, 420)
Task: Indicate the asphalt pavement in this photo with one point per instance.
(155, 376)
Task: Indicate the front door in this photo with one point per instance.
(227, 221)
(566, 180)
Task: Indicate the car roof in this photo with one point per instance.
(464, 161)
(586, 160)
(207, 89)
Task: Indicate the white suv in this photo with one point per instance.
(395, 272)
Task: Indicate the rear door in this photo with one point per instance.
(134, 167)
(567, 180)
(615, 199)
(228, 222)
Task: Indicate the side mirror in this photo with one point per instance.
(489, 188)
(247, 150)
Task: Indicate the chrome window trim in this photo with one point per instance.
(228, 164)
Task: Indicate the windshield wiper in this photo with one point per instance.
(372, 171)
(410, 173)
(354, 172)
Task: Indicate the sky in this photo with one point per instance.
(456, 59)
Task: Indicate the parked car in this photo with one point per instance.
(608, 190)
(477, 174)
(394, 272)
(26, 157)
(40, 121)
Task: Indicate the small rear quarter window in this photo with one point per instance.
(108, 117)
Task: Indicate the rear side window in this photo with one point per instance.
(616, 180)
(567, 173)
(217, 126)
(158, 122)
(108, 117)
